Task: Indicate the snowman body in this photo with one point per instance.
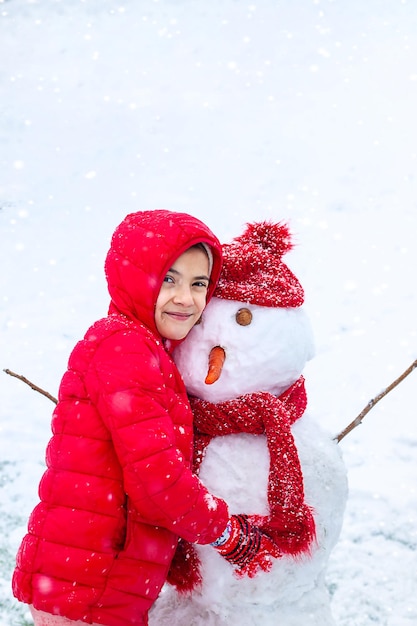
(269, 355)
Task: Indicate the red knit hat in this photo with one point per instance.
(253, 270)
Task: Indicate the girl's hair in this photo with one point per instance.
(206, 249)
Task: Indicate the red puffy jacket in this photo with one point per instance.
(118, 490)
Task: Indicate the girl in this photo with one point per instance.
(118, 491)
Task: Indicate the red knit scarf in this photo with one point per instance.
(290, 522)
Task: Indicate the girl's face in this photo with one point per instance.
(183, 293)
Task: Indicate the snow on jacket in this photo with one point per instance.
(118, 490)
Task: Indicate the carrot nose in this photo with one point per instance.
(216, 360)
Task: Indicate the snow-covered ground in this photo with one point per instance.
(302, 110)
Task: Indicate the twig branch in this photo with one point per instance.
(356, 422)
(372, 403)
(31, 385)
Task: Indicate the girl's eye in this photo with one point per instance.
(200, 283)
(243, 317)
(168, 279)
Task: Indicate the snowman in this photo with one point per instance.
(256, 447)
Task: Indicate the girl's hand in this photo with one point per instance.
(246, 547)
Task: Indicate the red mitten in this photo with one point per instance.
(246, 547)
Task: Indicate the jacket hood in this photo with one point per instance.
(143, 248)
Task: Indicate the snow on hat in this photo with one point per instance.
(253, 270)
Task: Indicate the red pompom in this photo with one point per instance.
(253, 270)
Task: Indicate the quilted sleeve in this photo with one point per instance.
(136, 406)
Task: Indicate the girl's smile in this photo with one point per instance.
(183, 293)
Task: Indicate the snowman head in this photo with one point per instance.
(257, 319)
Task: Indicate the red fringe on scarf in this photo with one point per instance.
(290, 522)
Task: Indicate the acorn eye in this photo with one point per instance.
(244, 317)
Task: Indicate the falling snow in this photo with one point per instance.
(298, 111)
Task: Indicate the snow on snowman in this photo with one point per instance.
(256, 447)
